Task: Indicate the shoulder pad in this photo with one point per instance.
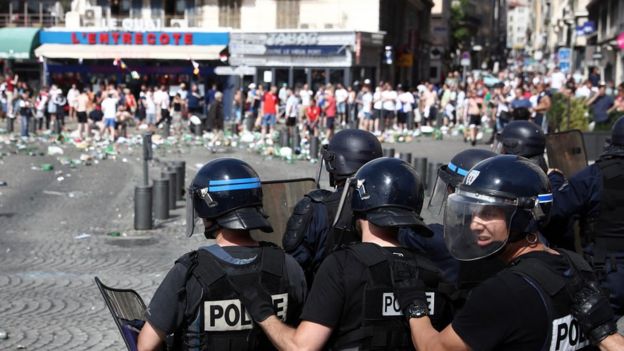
(577, 260)
(267, 244)
(297, 225)
(188, 259)
(318, 195)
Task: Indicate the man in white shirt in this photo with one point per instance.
(557, 79)
(109, 110)
(388, 100)
(72, 100)
(161, 98)
(366, 109)
(406, 101)
(341, 103)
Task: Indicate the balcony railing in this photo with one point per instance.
(30, 20)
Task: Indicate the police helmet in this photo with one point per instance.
(349, 150)
(502, 199)
(450, 175)
(523, 138)
(617, 132)
(389, 193)
(228, 192)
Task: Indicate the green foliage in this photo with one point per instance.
(561, 107)
(460, 32)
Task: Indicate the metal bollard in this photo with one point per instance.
(406, 156)
(143, 207)
(234, 128)
(32, 125)
(284, 138)
(10, 124)
(296, 138)
(58, 127)
(180, 167)
(315, 144)
(171, 175)
(166, 128)
(389, 153)
(420, 164)
(197, 129)
(161, 198)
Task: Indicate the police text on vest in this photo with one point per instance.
(228, 315)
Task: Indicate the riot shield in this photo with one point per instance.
(566, 151)
(279, 197)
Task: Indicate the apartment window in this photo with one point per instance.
(287, 14)
(120, 7)
(230, 13)
(613, 16)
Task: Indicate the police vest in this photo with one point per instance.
(607, 231)
(554, 289)
(382, 324)
(221, 322)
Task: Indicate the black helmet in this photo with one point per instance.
(503, 190)
(389, 193)
(523, 138)
(228, 192)
(452, 174)
(617, 132)
(349, 150)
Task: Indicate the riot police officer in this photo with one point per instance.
(526, 139)
(449, 177)
(498, 210)
(197, 302)
(351, 304)
(311, 232)
(596, 194)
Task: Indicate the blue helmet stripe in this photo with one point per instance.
(216, 189)
(460, 171)
(234, 181)
(544, 198)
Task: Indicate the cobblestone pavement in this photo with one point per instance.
(48, 298)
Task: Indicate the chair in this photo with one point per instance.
(128, 310)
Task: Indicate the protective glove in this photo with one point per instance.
(408, 288)
(594, 313)
(254, 297)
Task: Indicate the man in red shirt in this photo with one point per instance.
(330, 112)
(269, 110)
(10, 91)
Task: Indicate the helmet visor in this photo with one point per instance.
(191, 215)
(476, 225)
(438, 197)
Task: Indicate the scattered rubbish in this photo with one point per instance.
(60, 179)
(50, 192)
(3, 183)
(46, 167)
(54, 150)
(3, 335)
(114, 234)
(82, 236)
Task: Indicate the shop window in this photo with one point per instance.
(336, 76)
(281, 77)
(318, 78)
(287, 14)
(230, 13)
(300, 77)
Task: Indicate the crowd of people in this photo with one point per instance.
(462, 105)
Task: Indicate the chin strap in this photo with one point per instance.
(211, 232)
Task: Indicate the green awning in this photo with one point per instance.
(18, 43)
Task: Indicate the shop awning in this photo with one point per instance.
(159, 52)
(18, 43)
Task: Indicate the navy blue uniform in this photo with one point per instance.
(584, 195)
(434, 249)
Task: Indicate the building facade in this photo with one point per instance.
(606, 43)
(518, 25)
